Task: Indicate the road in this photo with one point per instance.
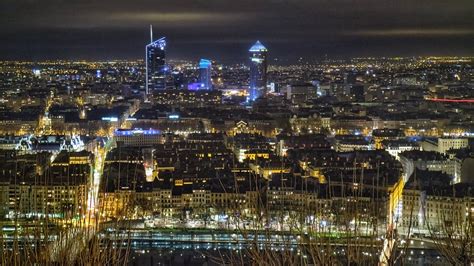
(97, 173)
(395, 214)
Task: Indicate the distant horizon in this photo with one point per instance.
(272, 60)
(223, 29)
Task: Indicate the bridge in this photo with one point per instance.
(451, 100)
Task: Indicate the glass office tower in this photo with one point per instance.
(205, 69)
(258, 71)
(155, 63)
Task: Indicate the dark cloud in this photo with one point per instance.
(412, 32)
(224, 29)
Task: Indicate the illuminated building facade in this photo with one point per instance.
(156, 69)
(138, 137)
(57, 189)
(191, 97)
(258, 71)
(205, 69)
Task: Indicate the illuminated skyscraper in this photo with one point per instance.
(205, 69)
(258, 71)
(156, 69)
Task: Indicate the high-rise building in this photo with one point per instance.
(258, 71)
(156, 69)
(205, 68)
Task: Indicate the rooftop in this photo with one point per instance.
(258, 47)
(205, 63)
(161, 42)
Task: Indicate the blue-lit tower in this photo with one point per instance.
(205, 69)
(155, 63)
(258, 71)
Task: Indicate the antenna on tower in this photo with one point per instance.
(151, 33)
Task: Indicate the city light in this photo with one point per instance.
(206, 145)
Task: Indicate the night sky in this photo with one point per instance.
(223, 30)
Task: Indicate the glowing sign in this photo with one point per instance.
(110, 119)
(173, 116)
(136, 131)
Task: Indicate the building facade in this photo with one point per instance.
(258, 71)
(155, 63)
(205, 69)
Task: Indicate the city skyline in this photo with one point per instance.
(222, 30)
(218, 132)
